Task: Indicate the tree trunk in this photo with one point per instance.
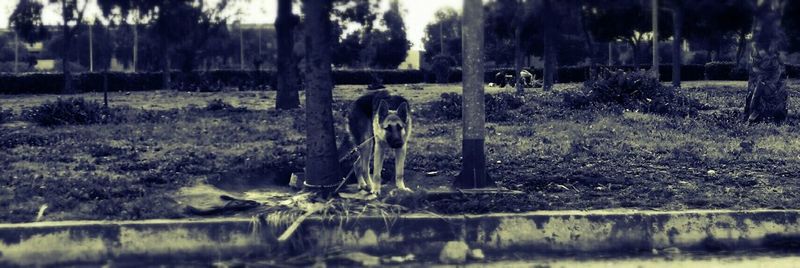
(322, 165)
(287, 82)
(654, 68)
(677, 50)
(518, 57)
(135, 41)
(66, 42)
(241, 47)
(610, 54)
(91, 49)
(635, 52)
(741, 47)
(767, 95)
(549, 51)
(165, 68)
(590, 47)
(473, 171)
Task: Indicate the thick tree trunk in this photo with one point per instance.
(322, 165)
(677, 50)
(518, 58)
(287, 82)
(767, 95)
(473, 171)
(654, 68)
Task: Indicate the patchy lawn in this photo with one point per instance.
(562, 158)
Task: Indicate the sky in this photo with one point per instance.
(417, 13)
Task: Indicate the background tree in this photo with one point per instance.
(443, 36)
(322, 165)
(71, 20)
(767, 95)
(791, 25)
(392, 42)
(26, 21)
(287, 77)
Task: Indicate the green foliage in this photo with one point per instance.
(71, 111)
(637, 91)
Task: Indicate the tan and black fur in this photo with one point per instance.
(387, 118)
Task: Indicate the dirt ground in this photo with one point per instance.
(560, 157)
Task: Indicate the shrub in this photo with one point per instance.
(498, 106)
(635, 91)
(5, 115)
(220, 105)
(441, 68)
(72, 111)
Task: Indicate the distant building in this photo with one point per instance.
(413, 61)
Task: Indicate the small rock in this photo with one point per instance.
(454, 252)
(398, 259)
(476, 254)
(711, 172)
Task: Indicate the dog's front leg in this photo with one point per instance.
(377, 167)
(399, 168)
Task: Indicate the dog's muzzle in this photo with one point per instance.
(395, 143)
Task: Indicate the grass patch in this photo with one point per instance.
(562, 158)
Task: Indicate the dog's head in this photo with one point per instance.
(392, 126)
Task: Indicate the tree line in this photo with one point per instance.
(162, 35)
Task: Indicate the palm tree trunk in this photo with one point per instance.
(767, 95)
(322, 165)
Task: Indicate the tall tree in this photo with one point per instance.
(71, 20)
(392, 42)
(767, 95)
(443, 36)
(322, 165)
(473, 171)
(26, 21)
(124, 10)
(288, 83)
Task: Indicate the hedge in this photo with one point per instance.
(52, 83)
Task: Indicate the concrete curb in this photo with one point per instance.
(80, 242)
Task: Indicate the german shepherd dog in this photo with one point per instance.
(379, 124)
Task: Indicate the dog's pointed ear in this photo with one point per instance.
(383, 109)
(403, 111)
